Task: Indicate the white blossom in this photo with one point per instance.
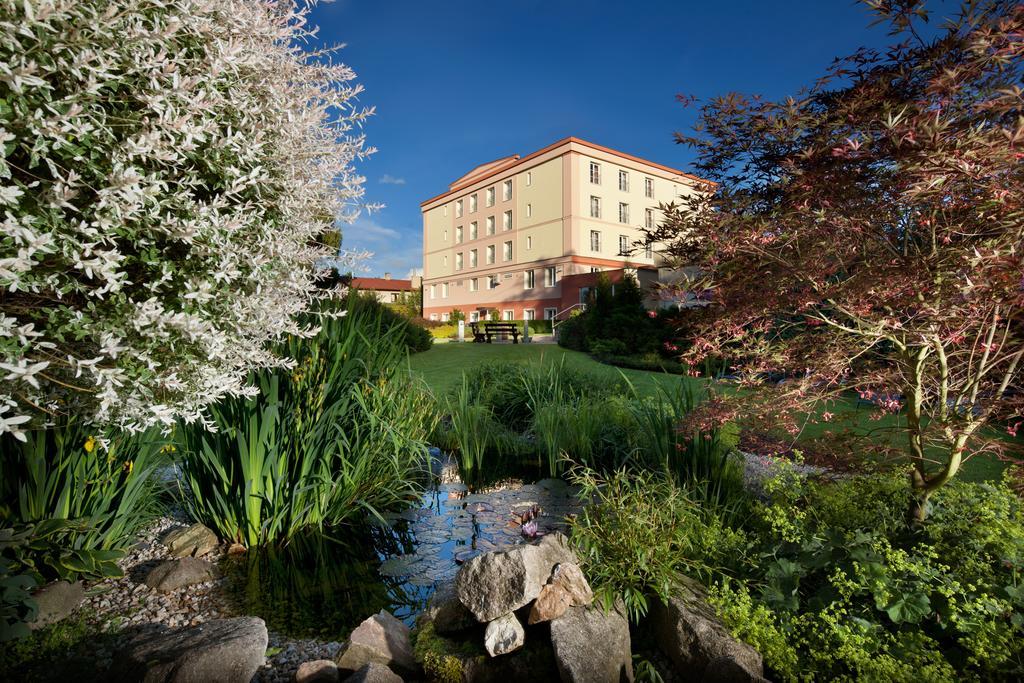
(169, 168)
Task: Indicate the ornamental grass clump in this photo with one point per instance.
(171, 173)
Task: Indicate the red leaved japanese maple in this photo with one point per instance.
(868, 233)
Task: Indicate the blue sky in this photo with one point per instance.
(458, 83)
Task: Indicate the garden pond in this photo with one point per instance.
(323, 586)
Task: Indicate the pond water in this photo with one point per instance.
(323, 586)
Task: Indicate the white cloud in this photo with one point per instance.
(391, 250)
(387, 179)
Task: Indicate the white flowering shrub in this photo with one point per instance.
(169, 170)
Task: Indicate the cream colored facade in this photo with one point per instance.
(559, 212)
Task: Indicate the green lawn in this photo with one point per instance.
(442, 366)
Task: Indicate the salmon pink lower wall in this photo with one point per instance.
(538, 306)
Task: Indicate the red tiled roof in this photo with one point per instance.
(381, 284)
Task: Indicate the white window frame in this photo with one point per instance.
(473, 232)
(506, 190)
(508, 314)
(445, 317)
(529, 279)
(473, 203)
(444, 260)
(595, 241)
(528, 314)
(433, 316)
(444, 236)
(649, 187)
(623, 245)
(550, 313)
(490, 225)
(458, 208)
(506, 251)
(595, 173)
(474, 284)
(550, 276)
(474, 316)
(624, 181)
(458, 261)
(506, 220)
(492, 281)
(529, 178)
(489, 196)
(623, 212)
(458, 234)
(595, 206)
(473, 258)
(648, 218)
(433, 291)
(444, 290)
(529, 210)
(444, 210)
(491, 255)
(529, 242)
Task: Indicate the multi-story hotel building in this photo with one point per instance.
(526, 235)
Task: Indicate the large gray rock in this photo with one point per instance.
(592, 646)
(195, 541)
(219, 651)
(447, 612)
(56, 601)
(381, 639)
(499, 582)
(503, 635)
(689, 632)
(728, 670)
(173, 574)
(374, 673)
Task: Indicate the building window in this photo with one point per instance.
(445, 235)
(595, 240)
(445, 317)
(490, 253)
(474, 316)
(507, 252)
(458, 261)
(509, 314)
(472, 258)
(595, 207)
(472, 203)
(490, 196)
(458, 209)
(648, 218)
(444, 260)
(490, 225)
(529, 178)
(433, 316)
(444, 210)
(528, 314)
(506, 190)
(529, 243)
(595, 269)
(472, 230)
(528, 280)
(624, 181)
(492, 282)
(433, 291)
(649, 187)
(458, 235)
(474, 284)
(623, 212)
(550, 276)
(394, 297)
(529, 210)
(550, 313)
(623, 245)
(595, 173)
(648, 251)
(507, 220)
(444, 290)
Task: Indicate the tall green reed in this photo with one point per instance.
(341, 434)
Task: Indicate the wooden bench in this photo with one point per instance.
(478, 334)
(502, 330)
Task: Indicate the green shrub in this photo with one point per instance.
(639, 531)
(341, 434)
(414, 337)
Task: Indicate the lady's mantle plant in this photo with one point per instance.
(168, 171)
